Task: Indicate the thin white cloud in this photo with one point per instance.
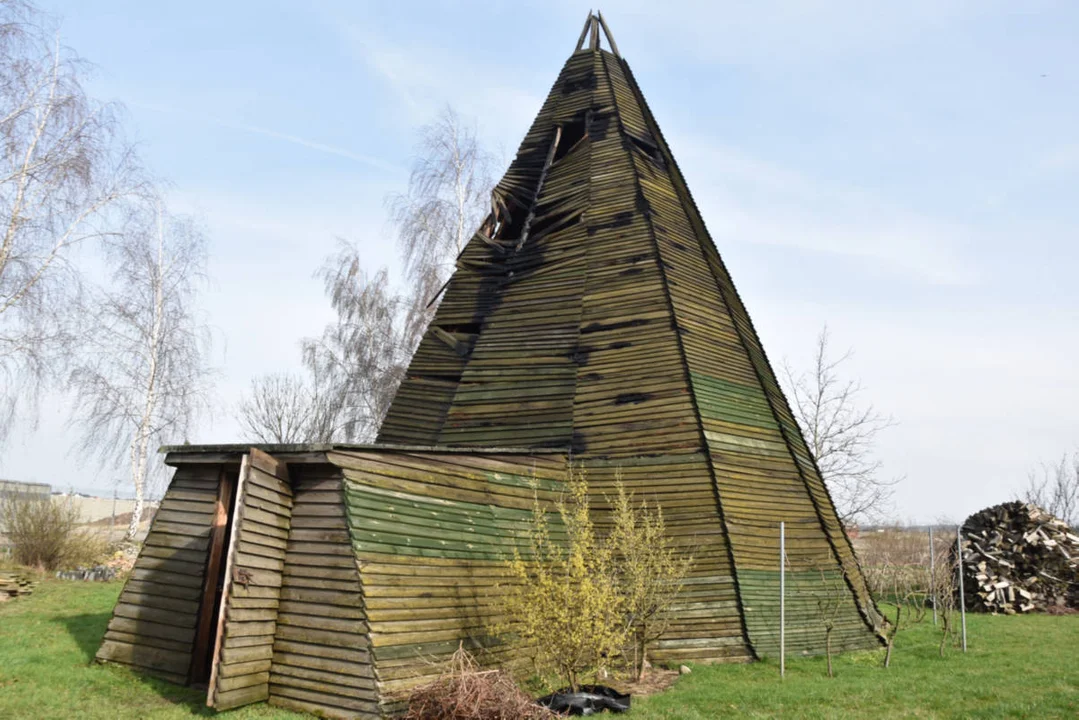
(275, 135)
(313, 145)
(424, 79)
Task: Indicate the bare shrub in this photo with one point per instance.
(1056, 490)
(465, 692)
(891, 551)
(650, 571)
(841, 431)
(45, 533)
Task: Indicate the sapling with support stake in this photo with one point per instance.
(782, 600)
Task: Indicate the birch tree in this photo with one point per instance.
(448, 196)
(142, 374)
(356, 365)
(64, 169)
(841, 431)
(362, 356)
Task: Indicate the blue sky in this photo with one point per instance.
(903, 172)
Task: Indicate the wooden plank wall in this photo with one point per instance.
(705, 624)
(620, 335)
(759, 479)
(253, 584)
(762, 466)
(431, 532)
(321, 655)
(153, 624)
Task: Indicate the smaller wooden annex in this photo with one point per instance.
(326, 579)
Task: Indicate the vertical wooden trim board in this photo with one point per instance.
(248, 617)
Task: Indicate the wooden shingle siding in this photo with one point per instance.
(321, 660)
(432, 533)
(617, 334)
(727, 356)
(153, 624)
(706, 622)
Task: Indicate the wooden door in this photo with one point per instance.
(243, 649)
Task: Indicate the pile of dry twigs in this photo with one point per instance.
(465, 692)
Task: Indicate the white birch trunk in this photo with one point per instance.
(140, 446)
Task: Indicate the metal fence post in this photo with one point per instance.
(962, 597)
(932, 575)
(782, 600)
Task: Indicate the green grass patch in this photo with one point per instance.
(1017, 667)
(47, 645)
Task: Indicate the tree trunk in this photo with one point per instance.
(136, 515)
(641, 654)
(828, 649)
(140, 445)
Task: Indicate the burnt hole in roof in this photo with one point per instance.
(467, 328)
(631, 398)
(620, 345)
(584, 82)
(621, 219)
(572, 132)
(643, 206)
(680, 246)
(632, 271)
(552, 220)
(601, 327)
(648, 149)
(592, 377)
(577, 442)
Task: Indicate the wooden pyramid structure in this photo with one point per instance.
(590, 321)
(592, 312)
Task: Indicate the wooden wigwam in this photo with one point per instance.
(590, 320)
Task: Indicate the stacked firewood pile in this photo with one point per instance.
(12, 585)
(1018, 558)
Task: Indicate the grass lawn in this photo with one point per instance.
(1017, 667)
(47, 642)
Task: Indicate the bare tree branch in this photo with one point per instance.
(65, 168)
(449, 194)
(841, 433)
(1056, 490)
(362, 357)
(286, 408)
(142, 375)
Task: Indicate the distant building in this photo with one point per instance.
(9, 487)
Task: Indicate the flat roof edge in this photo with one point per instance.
(289, 448)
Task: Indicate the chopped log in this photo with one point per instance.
(1019, 558)
(13, 585)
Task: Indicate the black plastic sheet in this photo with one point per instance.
(589, 700)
